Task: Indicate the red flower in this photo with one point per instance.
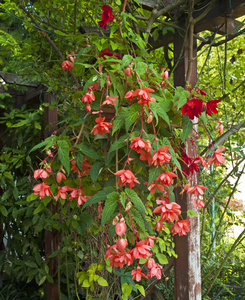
(152, 187)
(139, 144)
(166, 178)
(155, 269)
(107, 16)
(169, 211)
(141, 250)
(60, 176)
(161, 156)
(62, 192)
(67, 65)
(198, 203)
(217, 158)
(102, 127)
(145, 156)
(196, 190)
(137, 274)
(193, 108)
(126, 176)
(144, 96)
(42, 189)
(129, 95)
(107, 52)
(110, 100)
(78, 195)
(181, 227)
(88, 98)
(211, 107)
(40, 173)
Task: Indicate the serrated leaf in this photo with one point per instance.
(162, 113)
(118, 144)
(187, 127)
(120, 119)
(48, 142)
(122, 199)
(88, 151)
(102, 282)
(132, 115)
(126, 60)
(63, 154)
(138, 219)
(162, 258)
(99, 196)
(140, 68)
(110, 206)
(180, 97)
(86, 218)
(95, 170)
(191, 213)
(136, 200)
(153, 107)
(153, 173)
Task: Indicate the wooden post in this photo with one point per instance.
(187, 266)
(52, 238)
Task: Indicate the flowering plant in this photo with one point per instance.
(121, 156)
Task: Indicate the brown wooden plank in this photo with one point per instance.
(187, 284)
(52, 238)
(16, 79)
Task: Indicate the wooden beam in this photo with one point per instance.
(16, 79)
(187, 284)
(52, 238)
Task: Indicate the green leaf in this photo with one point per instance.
(110, 206)
(102, 282)
(138, 218)
(140, 288)
(162, 258)
(63, 154)
(38, 209)
(162, 113)
(41, 281)
(99, 196)
(37, 125)
(88, 151)
(136, 200)
(4, 210)
(86, 218)
(120, 119)
(180, 97)
(31, 264)
(95, 170)
(126, 60)
(187, 127)
(48, 143)
(86, 283)
(153, 174)
(122, 198)
(118, 144)
(132, 115)
(140, 68)
(127, 289)
(191, 213)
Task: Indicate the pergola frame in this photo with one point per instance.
(187, 265)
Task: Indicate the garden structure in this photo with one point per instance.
(194, 17)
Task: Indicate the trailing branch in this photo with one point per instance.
(48, 39)
(167, 9)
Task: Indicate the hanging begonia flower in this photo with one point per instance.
(88, 98)
(161, 156)
(138, 144)
(137, 274)
(181, 227)
(217, 158)
(62, 192)
(211, 107)
(110, 100)
(102, 127)
(166, 178)
(67, 65)
(42, 189)
(126, 176)
(198, 203)
(196, 190)
(40, 173)
(169, 211)
(60, 176)
(107, 52)
(193, 108)
(141, 250)
(155, 269)
(107, 16)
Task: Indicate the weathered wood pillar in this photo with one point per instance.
(187, 266)
(52, 238)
